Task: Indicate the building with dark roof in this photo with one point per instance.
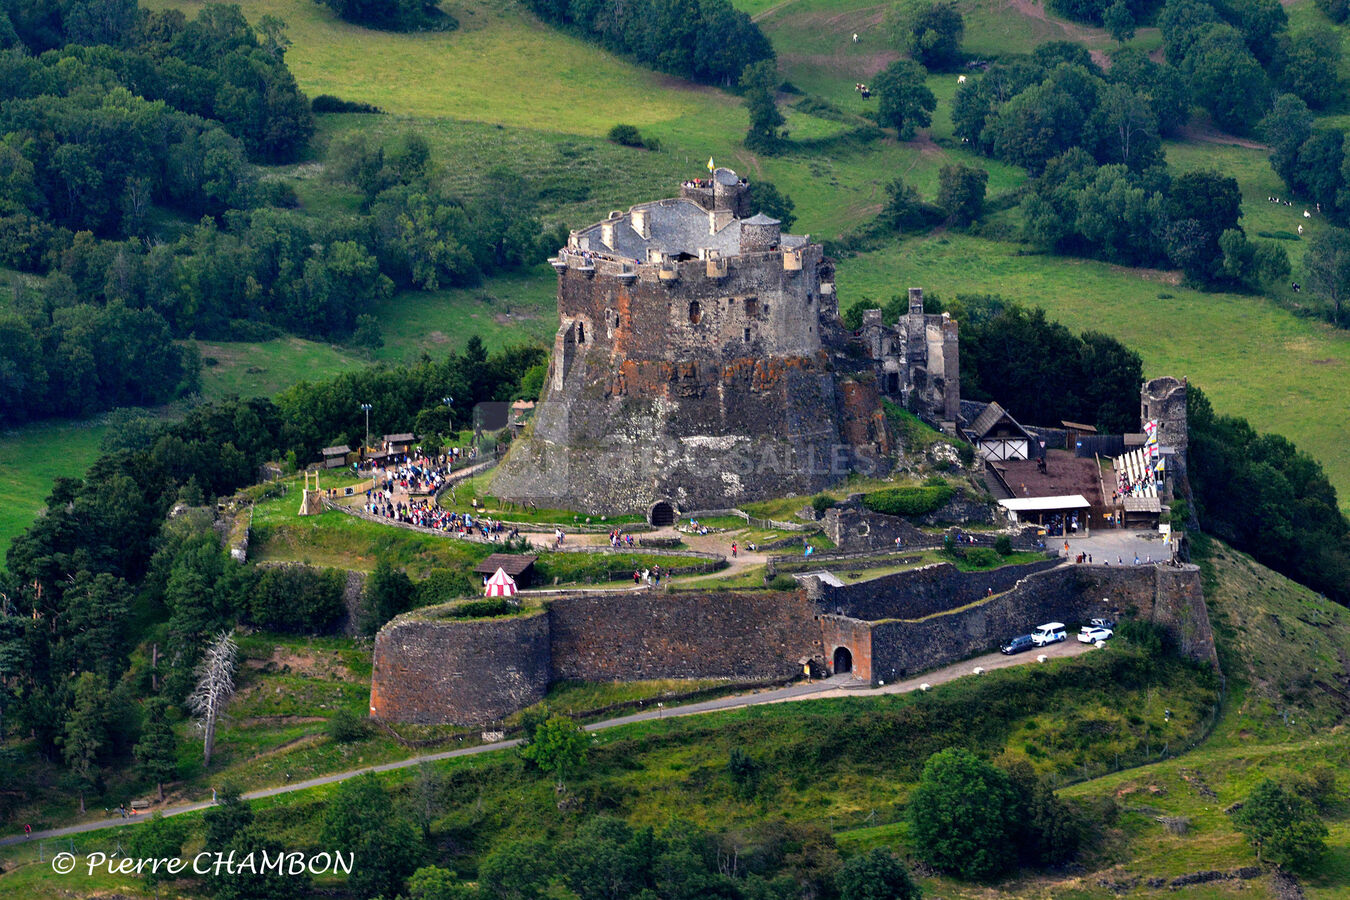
(995, 434)
(519, 566)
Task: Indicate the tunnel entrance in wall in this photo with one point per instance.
(843, 660)
(662, 514)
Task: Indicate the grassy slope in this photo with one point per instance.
(1285, 651)
(641, 772)
(31, 459)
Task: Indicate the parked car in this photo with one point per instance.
(1103, 623)
(1091, 634)
(1018, 644)
(1049, 633)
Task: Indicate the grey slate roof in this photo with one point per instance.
(676, 226)
(991, 416)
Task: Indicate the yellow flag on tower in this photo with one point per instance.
(710, 164)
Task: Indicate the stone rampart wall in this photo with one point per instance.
(462, 672)
(923, 592)
(636, 635)
(1168, 596)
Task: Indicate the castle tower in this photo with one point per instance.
(1164, 400)
(689, 369)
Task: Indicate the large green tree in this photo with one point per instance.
(961, 816)
(1326, 268)
(360, 819)
(86, 732)
(905, 102)
(759, 82)
(559, 747)
(961, 192)
(931, 33)
(156, 751)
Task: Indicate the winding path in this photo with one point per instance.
(838, 686)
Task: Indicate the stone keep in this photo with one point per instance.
(918, 360)
(698, 362)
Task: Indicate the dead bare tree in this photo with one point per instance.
(215, 685)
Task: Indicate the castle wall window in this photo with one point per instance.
(581, 332)
(747, 335)
(695, 313)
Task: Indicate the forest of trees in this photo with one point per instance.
(1093, 141)
(704, 40)
(1261, 494)
(105, 543)
(157, 118)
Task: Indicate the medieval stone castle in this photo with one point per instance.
(700, 361)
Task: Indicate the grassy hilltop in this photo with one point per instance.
(545, 115)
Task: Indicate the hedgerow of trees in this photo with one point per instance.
(1005, 347)
(394, 15)
(1287, 516)
(704, 40)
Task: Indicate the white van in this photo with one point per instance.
(1049, 633)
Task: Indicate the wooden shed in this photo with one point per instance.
(520, 566)
(335, 457)
(997, 435)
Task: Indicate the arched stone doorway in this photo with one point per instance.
(843, 660)
(662, 514)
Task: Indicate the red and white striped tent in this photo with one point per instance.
(500, 585)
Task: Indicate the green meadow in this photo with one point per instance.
(31, 459)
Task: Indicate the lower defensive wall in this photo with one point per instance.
(431, 669)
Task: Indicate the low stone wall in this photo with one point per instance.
(861, 529)
(635, 635)
(1169, 596)
(924, 591)
(461, 672)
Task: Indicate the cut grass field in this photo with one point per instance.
(31, 459)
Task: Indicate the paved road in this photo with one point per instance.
(838, 686)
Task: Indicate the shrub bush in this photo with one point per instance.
(821, 502)
(479, 609)
(1003, 545)
(909, 501)
(783, 583)
(327, 103)
(629, 136)
(982, 557)
(344, 727)
(297, 599)
(1151, 638)
(442, 585)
